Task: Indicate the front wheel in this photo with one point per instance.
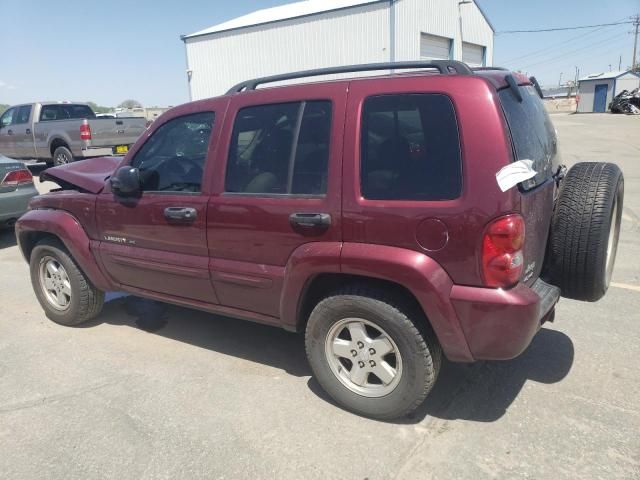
(374, 354)
(65, 294)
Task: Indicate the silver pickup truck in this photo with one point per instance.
(60, 132)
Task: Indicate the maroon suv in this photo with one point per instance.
(392, 218)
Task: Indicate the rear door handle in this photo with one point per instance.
(9, 132)
(181, 213)
(310, 220)
(28, 131)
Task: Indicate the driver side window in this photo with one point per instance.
(7, 117)
(173, 158)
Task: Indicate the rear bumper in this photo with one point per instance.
(89, 152)
(499, 324)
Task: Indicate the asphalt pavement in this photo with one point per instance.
(153, 391)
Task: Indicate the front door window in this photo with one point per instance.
(173, 159)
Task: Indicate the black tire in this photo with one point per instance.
(62, 156)
(584, 230)
(403, 323)
(85, 300)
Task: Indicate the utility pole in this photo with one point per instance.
(620, 64)
(560, 80)
(636, 23)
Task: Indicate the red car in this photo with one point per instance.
(393, 219)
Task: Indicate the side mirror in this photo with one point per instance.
(126, 181)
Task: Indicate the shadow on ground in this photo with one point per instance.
(251, 341)
(483, 391)
(480, 392)
(7, 237)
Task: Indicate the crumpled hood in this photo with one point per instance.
(89, 175)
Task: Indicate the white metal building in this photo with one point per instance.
(326, 33)
(597, 90)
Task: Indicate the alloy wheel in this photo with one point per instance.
(55, 283)
(363, 357)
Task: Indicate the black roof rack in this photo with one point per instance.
(482, 69)
(445, 67)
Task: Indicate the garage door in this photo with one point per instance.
(433, 47)
(472, 54)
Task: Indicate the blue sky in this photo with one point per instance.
(109, 50)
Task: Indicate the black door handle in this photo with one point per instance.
(180, 213)
(310, 220)
(28, 131)
(9, 132)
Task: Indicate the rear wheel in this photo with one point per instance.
(62, 156)
(65, 294)
(585, 230)
(372, 353)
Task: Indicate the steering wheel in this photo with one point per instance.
(181, 171)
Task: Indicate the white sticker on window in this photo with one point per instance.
(514, 173)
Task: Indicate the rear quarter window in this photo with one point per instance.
(410, 148)
(532, 133)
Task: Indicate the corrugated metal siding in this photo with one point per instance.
(219, 61)
(627, 82)
(348, 36)
(439, 17)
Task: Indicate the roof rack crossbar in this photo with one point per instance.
(445, 67)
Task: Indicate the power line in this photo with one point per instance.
(562, 28)
(591, 45)
(578, 58)
(550, 48)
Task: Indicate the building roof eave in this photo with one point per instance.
(212, 30)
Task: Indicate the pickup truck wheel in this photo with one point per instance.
(585, 230)
(368, 354)
(65, 294)
(62, 156)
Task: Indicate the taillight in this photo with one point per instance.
(502, 246)
(85, 131)
(17, 177)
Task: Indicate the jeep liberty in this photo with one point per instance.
(394, 219)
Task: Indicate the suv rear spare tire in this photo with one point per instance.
(585, 230)
(372, 352)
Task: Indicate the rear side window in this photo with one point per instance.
(49, 112)
(24, 113)
(532, 132)
(280, 149)
(410, 148)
